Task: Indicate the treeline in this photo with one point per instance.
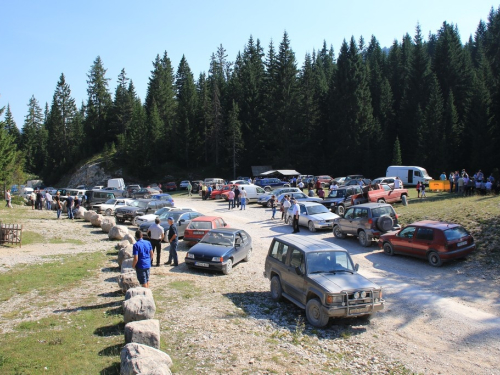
(430, 102)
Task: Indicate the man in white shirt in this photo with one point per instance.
(295, 214)
(397, 183)
(48, 200)
(286, 205)
(301, 185)
(156, 234)
(243, 198)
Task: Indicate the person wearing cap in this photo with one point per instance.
(143, 257)
(156, 235)
(172, 240)
(294, 208)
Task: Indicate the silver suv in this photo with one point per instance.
(366, 221)
(321, 278)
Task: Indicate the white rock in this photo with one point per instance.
(118, 232)
(87, 215)
(107, 224)
(126, 265)
(129, 238)
(139, 291)
(138, 308)
(80, 213)
(142, 359)
(127, 281)
(96, 220)
(146, 332)
(125, 253)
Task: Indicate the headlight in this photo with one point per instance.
(363, 294)
(217, 259)
(191, 256)
(334, 299)
(356, 295)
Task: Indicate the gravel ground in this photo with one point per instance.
(436, 321)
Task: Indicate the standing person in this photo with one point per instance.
(32, 199)
(311, 192)
(143, 256)
(422, 193)
(189, 188)
(204, 192)
(39, 197)
(230, 199)
(418, 189)
(8, 199)
(321, 193)
(301, 185)
(442, 177)
(69, 206)
(455, 180)
(286, 205)
(273, 206)
(156, 235)
(397, 183)
(172, 240)
(243, 197)
(236, 196)
(295, 214)
(57, 200)
(460, 185)
(451, 179)
(48, 200)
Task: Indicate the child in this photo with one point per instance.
(422, 189)
(418, 189)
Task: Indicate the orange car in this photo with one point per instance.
(217, 193)
(200, 226)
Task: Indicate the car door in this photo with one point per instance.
(183, 222)
(295, 284)
(240, 252)
(422, 241)
(303, 218)
(403, 241)
(346, 222)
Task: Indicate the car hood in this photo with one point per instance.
(149, 217)
(342, 281)
(324, 216)
(209, 250)
(128, 209)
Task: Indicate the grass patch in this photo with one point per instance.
(57, 240)
(29, 237)
(49, 277)
(186, 288)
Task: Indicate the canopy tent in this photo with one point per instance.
(283, 172)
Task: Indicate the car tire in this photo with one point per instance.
(380, 200)
(385, 223)
(134, 221)
(249, 255)
(341, 210)
(311, 226)
(268, 188)
(315, 314)
(217, 196)
(228, 267)
(108, 212)
(268, 204)
(434, 259)
(276, 290)
(388, 249)
(404, 199)
(363, 239)
(337, 232)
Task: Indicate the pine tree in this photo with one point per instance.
(123, 106)
(396, 153)
(204, 117)
(32, 138)
(234, 136)
(11, 127)
(7, 161)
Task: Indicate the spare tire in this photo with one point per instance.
(385, 223)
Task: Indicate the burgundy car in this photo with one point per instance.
(435, 241)
(170, 186)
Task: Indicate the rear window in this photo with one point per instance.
(455, 233)
(200, 225)
(381, 211)
(279, 251)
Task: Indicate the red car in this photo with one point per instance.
(217, 193)
(435, 241)
(200, 226)
(170, 186)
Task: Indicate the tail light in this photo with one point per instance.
(370, 221)
(396, 216)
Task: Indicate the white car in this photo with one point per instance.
(150, 217)
(108, 208)
(98, 187)
(183, 184)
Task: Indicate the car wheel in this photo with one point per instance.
(315, 314)
(341, 210)
(311, 226)
(268, 188)
(108, 212)
(134, 221)
(228, 267)
(217, 196)
(249, 255)
(381, 200)
(434, 259)
(388, 249)
(268, 204)
(404, 199)
(363, 239)
(337, 232)
(276, 290)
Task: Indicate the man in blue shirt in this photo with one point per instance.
(143, 254)
(69, 206)
(172, 240)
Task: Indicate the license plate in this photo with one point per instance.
(198, 232)
(357, 311)
(200, 264)
(462, 243)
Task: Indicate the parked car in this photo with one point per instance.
(353, 177)
(217, 193)
(269, 183)
(137, 208)
(314, 216)
(145, 193)
(435, 241)
(220, 249)
(181, 218)
(108, 207)
(265, 200)
(239, 182)
(200, 226)
(158, 213)
(164, 197)
(384, 180)
(384, 193)
(96, 197)
(131, 189)
(170, 186)
(339, 180)
(321, 278)
(299, 197)
(197, 184)
(353, 182)
(325, 180)
(98, 187)
(339, 200)
(366, 221)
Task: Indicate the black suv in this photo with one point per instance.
(338, 200)
(138, 207)
(321, 278)
(366, 221)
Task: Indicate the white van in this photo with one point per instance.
(254, 192)
(409, 175)
(213, 180)
(117, 183)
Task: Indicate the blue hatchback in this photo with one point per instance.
(164, 197)
(269, 182)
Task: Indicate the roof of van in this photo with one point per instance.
(308, 244)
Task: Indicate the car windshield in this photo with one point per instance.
(337, 194)
(424, 172)
(381, 211)
(329, 262)
(200, 225)
(317, 209)
(174, 215)
(218, 238)
(299, 195)
(455, 233)
(161, 211)
(139, 204)
(110, 201)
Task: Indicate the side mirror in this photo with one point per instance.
(356, 267)
(298, 271)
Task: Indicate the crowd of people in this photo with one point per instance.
(463, 184)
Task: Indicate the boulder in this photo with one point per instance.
(139, 291)
(129, 238)
(124, 253)
(126, 265)
(96, 220)
(142, 359)
(87, 215)
(127, 281)
(118, 232)
(107, 224)
(145, 332)
(121, 244)
(80, 213)
(138, 307)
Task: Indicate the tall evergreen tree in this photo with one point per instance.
(396, 153)
(34, 138)
(11, 127)
(234, 140)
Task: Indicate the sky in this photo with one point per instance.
(42, 39)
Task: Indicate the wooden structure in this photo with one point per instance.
(11, 234)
